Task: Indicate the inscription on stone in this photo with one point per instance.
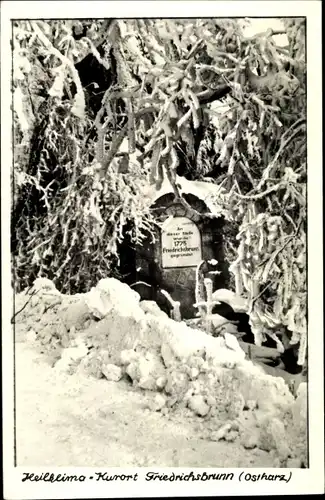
(180, 243)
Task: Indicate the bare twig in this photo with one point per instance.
(276, 253)
(262, 292)
(260, 195)
(34, 292)
(243, 165)
(283, 145)
(208, 96)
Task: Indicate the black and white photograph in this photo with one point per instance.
(159, 265)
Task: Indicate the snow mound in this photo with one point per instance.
(108, 333)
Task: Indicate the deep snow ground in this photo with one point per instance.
(73, 420)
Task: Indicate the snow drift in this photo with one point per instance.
(109, 333)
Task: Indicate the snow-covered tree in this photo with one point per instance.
(164, 97)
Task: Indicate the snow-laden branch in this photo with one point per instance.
(79, 106)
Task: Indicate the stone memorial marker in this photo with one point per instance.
(180, 243)
(169, 262)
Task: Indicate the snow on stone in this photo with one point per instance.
(205, 191)
(198, 405)
(108, 291)
(232, 343)
(44, 284)
(238, 304)
(151, 307)
(112, 372)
